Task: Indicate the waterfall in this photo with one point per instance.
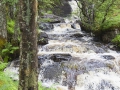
(72, 60)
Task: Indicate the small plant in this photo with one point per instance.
(2, 42)
(7, 50)
(2, 66)
(10, 26)
(116, 40)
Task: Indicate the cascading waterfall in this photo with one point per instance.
(72, 60)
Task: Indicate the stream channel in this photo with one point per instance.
(72, 60)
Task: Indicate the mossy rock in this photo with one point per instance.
(2, 41)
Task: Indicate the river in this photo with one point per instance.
(73, 60)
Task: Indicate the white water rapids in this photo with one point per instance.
(72, 60)
(93, 66)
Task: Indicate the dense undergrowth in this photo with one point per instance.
(6, 83)
(102, 17)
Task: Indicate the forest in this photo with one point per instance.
(59, 44)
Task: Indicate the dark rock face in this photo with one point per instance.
(46, 26)
(63, 10)
(60, 57)
(108, 57)
(42, 38)
(77, 35)
(55, 57)
(109, 35)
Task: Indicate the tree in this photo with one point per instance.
(95, 12)
(3, 31)
(28, 73)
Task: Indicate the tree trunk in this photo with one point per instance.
(3, 30)
(28, 70)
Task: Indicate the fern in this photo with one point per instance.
(2, 66)
(7, 50)
(5, 82)
(10, 26)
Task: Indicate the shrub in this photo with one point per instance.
(116, 40)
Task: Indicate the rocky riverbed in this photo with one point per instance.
(70, 59)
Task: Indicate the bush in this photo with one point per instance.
(7, 51)
(116, 40)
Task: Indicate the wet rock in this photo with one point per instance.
(52, 72)
(41, 59)
(110, 64)
(109, 35)
(46, 26)
(94, 64)
(108, 57)
(77, 35)
(60, 57)
(76, 26)
(14, 63)
(53, 18)
(58, 36)
(42, 38)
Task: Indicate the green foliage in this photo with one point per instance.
(10, 26)
(116, 40)
(45, 6)
(7, 51)
(111, 22)
(11, 2)
(104, 15)
(5, 82)
(2, 66)
(45, 20)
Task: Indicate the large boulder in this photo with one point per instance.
(108, 57)
(46, 26)
(76, 26)
(42, 38)
(108, 35)
(77, 35)
(57, 57)
(60, 57)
